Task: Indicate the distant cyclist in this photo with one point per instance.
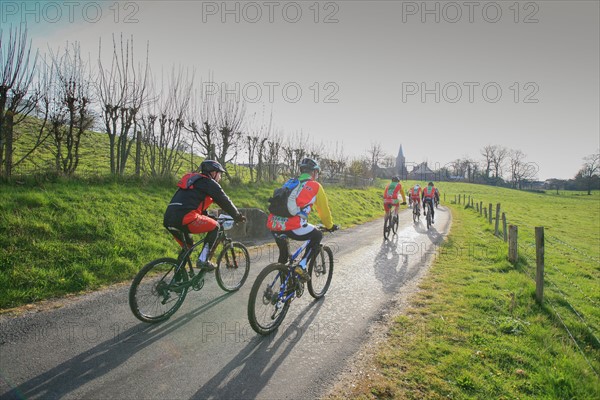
(415, 195)
(390, 196)
(428, 196)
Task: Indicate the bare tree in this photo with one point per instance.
(375, 153)
(295, 148)
(273, 148)
(458, 168)
(163, 125)
(488, 153)
(202, 120)
(122, 91)
(230, 118)
(42, 97)
(70, 104)
(256, 135)
(520, 170)
(16, 101)
(261, 156)
(498, 158)
(590, 171)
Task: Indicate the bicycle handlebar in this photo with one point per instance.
(333, 228)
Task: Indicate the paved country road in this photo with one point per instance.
(92, 347)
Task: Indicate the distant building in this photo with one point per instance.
(422, 172)
(401, 164)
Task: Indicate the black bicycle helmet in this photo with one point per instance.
(309, 165)
(430, 184)
(396, 179)
(210, 165)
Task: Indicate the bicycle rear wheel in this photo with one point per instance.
(266, 308)
(386, 226)
(233, 266)
(321, 273)
(429, 215)
(157, 291)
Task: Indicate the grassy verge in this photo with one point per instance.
(475, 331)
(67, 237)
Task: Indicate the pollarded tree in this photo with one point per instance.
(122, 91)
(230, 116)
(70, 99)
(201, 120)
(16, 99)
(163, 123)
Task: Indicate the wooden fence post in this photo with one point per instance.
(496, 231)
(490, 214)
(464, 198)
(539, 261)
(485, 213)
(504, 233)
(513, 243)
(477, 207)
(480, 207)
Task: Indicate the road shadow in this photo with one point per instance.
(91, 364)
(253, 367)
(390, 265)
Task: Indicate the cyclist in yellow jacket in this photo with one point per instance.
(297, 226)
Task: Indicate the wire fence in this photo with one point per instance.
(580, 326)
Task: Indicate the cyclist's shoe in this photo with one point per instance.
(302, 273)
(206, 266)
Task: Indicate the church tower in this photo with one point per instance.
(401, 164)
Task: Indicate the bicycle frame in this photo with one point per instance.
(184, 254)
(286, 284)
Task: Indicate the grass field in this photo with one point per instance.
(71, 236)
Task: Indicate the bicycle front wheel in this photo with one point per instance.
(267, 306)
(321, 273)
(395, 223)
(157, 291)
(233, 266)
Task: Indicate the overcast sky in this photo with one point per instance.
(442, 79)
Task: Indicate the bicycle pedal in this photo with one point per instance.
(299, 290)
(198, 285)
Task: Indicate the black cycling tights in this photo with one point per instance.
(314, 237)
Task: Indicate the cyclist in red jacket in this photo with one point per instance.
(427, 196)
(415, 195)
(187, 210)
(390, 196)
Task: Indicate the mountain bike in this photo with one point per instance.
(159, 289)
(416, 212)
(278, 285)
(428, 210)
(390, 222)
